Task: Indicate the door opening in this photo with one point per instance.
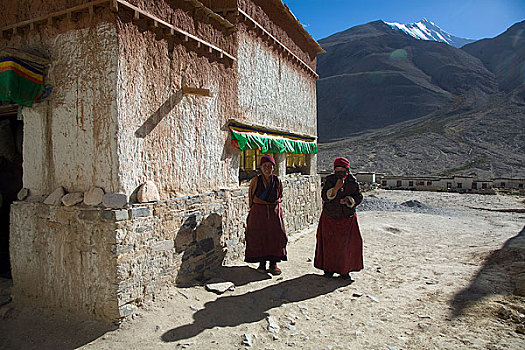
(11, 132)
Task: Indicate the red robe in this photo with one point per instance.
(339, 244)
(265, 234)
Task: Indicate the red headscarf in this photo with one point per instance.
(342, 162)
(265, 159)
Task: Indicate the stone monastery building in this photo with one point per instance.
(128, 130)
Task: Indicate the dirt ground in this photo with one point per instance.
(438, 275)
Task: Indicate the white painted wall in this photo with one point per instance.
(273, 91)
(70, 138)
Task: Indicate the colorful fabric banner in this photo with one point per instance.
(20, 82)
(244, 137)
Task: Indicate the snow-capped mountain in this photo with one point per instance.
(426, 30)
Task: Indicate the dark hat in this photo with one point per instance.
(265, 159)
(342, 162)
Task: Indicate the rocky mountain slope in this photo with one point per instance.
(503, 55)
(398, 105)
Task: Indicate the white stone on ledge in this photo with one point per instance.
(55, 197)
(22, 194)
(93, 196)
(71, 199)
(148, 192)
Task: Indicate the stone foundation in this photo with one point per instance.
(106, 262)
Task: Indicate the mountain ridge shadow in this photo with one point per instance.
(497, 276)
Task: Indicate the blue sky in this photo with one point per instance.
(473, 19)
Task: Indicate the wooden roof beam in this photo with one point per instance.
(287, 51)
(187, 36)
(52, 16)
(114, 6)
(212, 14)
(196, 91)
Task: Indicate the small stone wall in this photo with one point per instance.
(106, 262)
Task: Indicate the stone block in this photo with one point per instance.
(123, 249)
(55, 197)
(73, 198)
(148, 192)
(127, 310)
(163, 245)
(142, 229)
(63, 215)
(121, 234)
(93, 196)
(121, 215)
(219, 286)
(140, 212)
(197, 199)
(114, 215)
(115, 200)
(89, 215)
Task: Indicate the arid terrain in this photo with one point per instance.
(401, 106)
(439, 274)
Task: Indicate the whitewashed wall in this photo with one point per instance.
(70, 138)
(273, 91)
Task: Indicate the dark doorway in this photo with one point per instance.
(11, 133)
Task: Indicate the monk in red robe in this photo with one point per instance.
(265, 234)
(339, 246)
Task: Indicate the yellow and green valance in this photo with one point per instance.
(247, 137)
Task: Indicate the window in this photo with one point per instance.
(249, 163)
(449, 184)
(503, 184)
(474, 185)
(398, 183)
(250, 159)
(520, 185)
(383, 183)
(410, 183)
(429, 183)
(484, 186)
(460, 185)
(295, 163)
(420, 183)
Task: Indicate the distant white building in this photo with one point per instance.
(453, 183)
(410, 182)
(509, 183)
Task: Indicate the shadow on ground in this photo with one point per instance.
(497, 276)
(239, 275)
(231, 311)
(23, 327)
